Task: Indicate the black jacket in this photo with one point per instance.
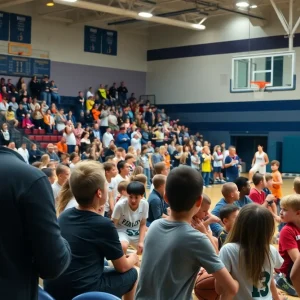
(31, 245)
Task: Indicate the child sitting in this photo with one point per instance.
(244, 187)
(258, 196)
(231, 194)
(289, 241)
(122, 190)
(228, 215)
(166, 275)
(130, 217)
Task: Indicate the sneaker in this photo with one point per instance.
(283, 284)
(222, 181)
(208, 186)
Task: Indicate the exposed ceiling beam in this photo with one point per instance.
(14, 2)
(58, 19)
(58, 11)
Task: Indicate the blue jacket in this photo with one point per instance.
(123, 141)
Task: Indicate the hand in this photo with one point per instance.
(212, 219)
(198, 224)
(270, 197)
(134, 256)
(140, 248)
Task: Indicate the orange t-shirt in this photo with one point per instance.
(167, 161)
(47, 119)
(62, 148)
(96, 114)
(276, 188)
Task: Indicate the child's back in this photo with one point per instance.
(173, 255)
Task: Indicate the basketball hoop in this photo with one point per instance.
(259, 88)
(20, 53)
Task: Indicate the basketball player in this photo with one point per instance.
(259, 162)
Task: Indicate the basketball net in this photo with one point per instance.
(259, 88)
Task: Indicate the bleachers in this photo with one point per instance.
(39, 136)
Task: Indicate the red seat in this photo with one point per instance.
(32, 137)
(44, 145)
(35, 131)
(55, 132)
(46, 138)
(39, 138)
(27, 131)
(53, 138)
(42, 131)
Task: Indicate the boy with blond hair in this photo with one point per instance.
(289, 241)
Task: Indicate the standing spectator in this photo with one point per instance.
(34, 248)
(60, 120)
(15, 94)
(232, 162)
(9, 86)
(35, 87)
(89, 93)
(146, 164)
(90, 103)
(122, 93)
(70, 137)
(95, 133)
(107, 138)
(123, 139)
(96, 112)
(80, 105)
(13, 104)
(104, 119)
(136, 141)
(19, 84)
(55, 96)
(156, 157)
(4, 135)
(113, 91)
(78, 132)
(195, 160)
(45, 90)
(102, 92)
(24, 152)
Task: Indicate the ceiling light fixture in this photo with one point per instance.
(242, 4)
(253, 6)
(50, 3)
(199, 26)
(145, 14)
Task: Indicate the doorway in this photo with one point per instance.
(246, 146)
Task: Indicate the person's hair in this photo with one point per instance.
(64, 156)
(184, 187)
(144, 147)
(128, 156)
(73, 155)
(206, 199)
(48, 172)
(120, 149)
(110, 157)
(227, 210)
(231, 147)
(63, 198)
(159, 180)
(268, 176)
(227, 189)
(291, 201)
(121, 164)
(140, 177)
(86, 178)
(108, 166)
(37, 164)
(253, 231)
(158, 168)
(257, 178)
(297, 185)
(130, 149)
(216, 147)
(138, 170)
(275, 162)
(136, 188)
(45, 159)
(241, 182)
(122, 186)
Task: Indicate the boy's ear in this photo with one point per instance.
(199, 202)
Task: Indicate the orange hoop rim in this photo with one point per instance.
(260, 84)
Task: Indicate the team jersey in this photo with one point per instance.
(129, 221)
(229, 255)
(276, 188)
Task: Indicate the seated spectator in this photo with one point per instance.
(50, 173)
(34, 154)
(20, 113)
(157, 205)
(10, 117)
(44, 106)
(107, 138)
(55, 96)
(4, 106)
(52, 154)
(78, 130)
(122, 139)
(65, 159)
(53, 109)
(156, 157)
(35, 87)
(24, 152)
(244, 187)
(47, 122)
(74, 159)
(14, 105)
(71, 117)
(26, 105)
(65, 199)
(37, 117)
(95, 134)
(23, 92)
(63, 175)
(45, 160)
(60, 120)
(62, 146)
(12, 146)
(4, 135)
(19, 84)
(90, 248)
(96, 112)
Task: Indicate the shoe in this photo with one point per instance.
(283, 284)
(208, 186)
(222, 181)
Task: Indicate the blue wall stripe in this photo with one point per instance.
(244, 126)
(276, 105)
(237, 46)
